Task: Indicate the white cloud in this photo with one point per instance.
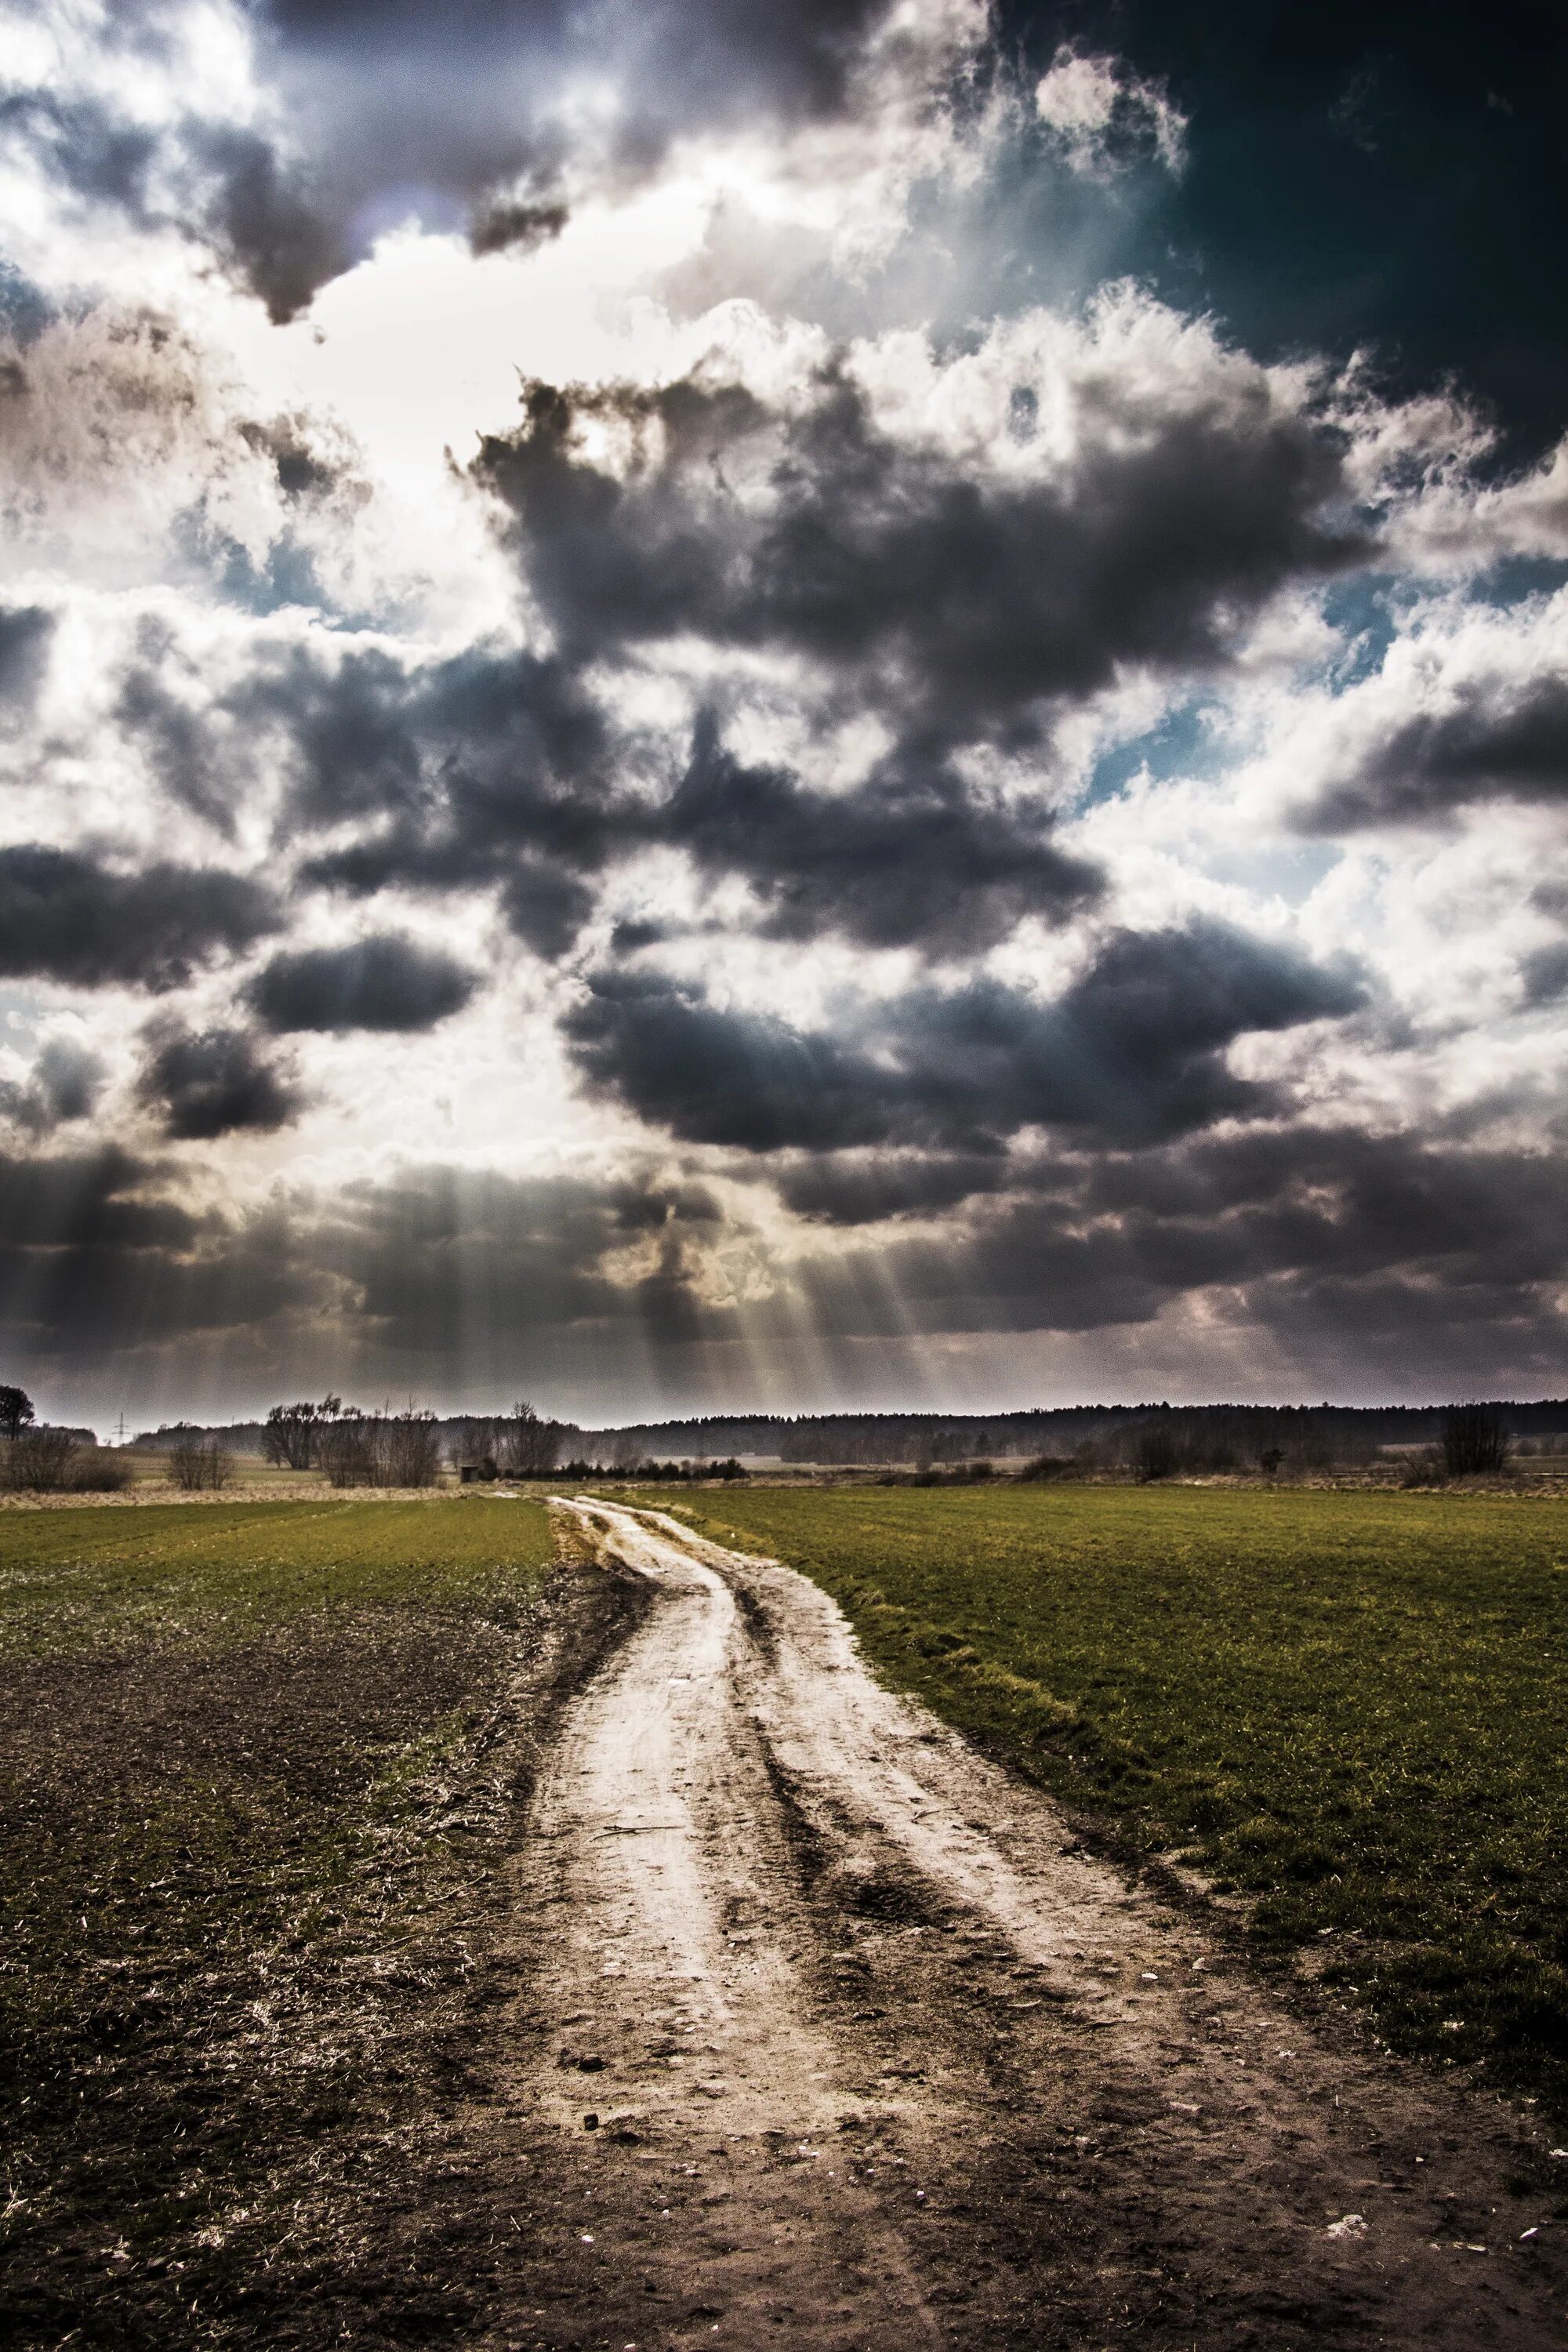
(1100, 113)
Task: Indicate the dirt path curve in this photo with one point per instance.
(834, 2041)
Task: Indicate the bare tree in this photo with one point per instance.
(1154, 1453)
(381, 1449)
(199, 1464)
(294, 1434)
(526, 1446)
(410, 1449)
(1476, 1440)
(41, 1460)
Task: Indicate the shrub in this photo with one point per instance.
(1048, 1465)
(38, 1461)
(1475, 1441)
(94, 1470)
(199, 1463)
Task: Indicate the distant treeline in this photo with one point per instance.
(1324, 1432)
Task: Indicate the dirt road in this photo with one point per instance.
(834, 2040)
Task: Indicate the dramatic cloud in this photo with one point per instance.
(89, 1201)
(211, 1082)
(67, 917)
(910, 859)
(1103, 115)
(851, 703)
(485, 770)
(1133, 1052)
(1478, 737)
(382, 982)
(957, 594)
(369, 115)
(63, 1085)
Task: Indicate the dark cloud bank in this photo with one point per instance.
(1368, 1262)
(1133, 1052)
(65, 916)
(969, 1157)
(379, 983)
(967, 616)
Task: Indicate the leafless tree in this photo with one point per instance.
(526, 1446)
(294, 1433)
(1475, 1441)
(198, 1464)
(381, 1449)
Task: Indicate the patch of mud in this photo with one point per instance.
(833, 2037)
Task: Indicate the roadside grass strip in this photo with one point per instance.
(1347, 1711)
(245, 1801)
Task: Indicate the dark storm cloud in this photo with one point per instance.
(211, 1082)
(870, 1189)
(1381, 1255)
(1316, 1203)
(904, 860)
(444, 1275)
(445, 1260)
(516, 228)
(281, 233)
(85, 1202)
(63, 1085)
(492, 772)
(25, 634)
(1501, 739)
(1133, 1050)
(484, 771)
(961, 604)
(382, 982)
(961, 610)
(97, 1264)
(177, 743)
(1385, 1256)
(65, 916)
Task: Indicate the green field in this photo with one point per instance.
(1350, 1708)
(245, 1814)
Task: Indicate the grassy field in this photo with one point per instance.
(1351, 1709)
(245, 1799)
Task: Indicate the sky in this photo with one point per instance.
(713, 706)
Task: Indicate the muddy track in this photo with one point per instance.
(834, 2039)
